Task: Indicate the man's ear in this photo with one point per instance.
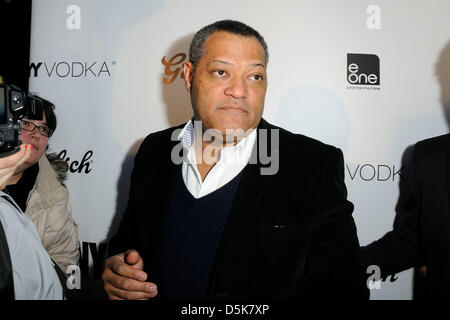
(188, 70)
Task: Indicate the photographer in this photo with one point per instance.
(38, 189)
(26, 270)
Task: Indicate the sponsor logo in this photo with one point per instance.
(98, 255)
(76, 166)
(72, 69)
(173, 67)
(363, 71)
(374, 172)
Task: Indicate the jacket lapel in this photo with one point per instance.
(251, 189)
(167, 171)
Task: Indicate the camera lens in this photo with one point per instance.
(17, 99)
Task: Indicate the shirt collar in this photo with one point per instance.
(187, 136)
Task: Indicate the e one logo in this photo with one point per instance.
(363, 69)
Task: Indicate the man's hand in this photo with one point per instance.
(123, 278)
(8, 165)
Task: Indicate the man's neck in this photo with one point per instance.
(207, 156)
(209, 152)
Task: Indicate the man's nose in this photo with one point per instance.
(237, 88)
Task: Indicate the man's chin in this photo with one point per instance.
(234, 125)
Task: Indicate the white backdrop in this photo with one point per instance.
(100, 62)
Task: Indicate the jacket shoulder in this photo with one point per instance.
(295, 143)
(159, 138)
(437, 143)
(435, 148)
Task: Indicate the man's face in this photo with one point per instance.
(229, 83)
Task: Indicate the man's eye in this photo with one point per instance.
(219, 72)
(257, 77)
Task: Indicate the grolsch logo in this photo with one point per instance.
(173, 67)
(78, 166)
(363, 69)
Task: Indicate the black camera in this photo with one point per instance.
(14, 105)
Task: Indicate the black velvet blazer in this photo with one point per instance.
(289, 235)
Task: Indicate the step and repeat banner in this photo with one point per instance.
(370, 77)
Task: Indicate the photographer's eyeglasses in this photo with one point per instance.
(30, 126)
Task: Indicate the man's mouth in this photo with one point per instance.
(231, 108)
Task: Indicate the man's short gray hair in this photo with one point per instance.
(197, 48)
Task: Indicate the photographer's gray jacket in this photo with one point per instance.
(34, 275)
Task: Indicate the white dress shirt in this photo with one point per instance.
(231, 161)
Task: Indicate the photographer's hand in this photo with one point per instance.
(8, 165)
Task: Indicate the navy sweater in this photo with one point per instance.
(193, 232)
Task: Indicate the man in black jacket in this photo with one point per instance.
(421, 233)
(219, 223)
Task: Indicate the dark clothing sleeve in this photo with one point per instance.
(126, 236)
(399, 249)
(334, 268)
